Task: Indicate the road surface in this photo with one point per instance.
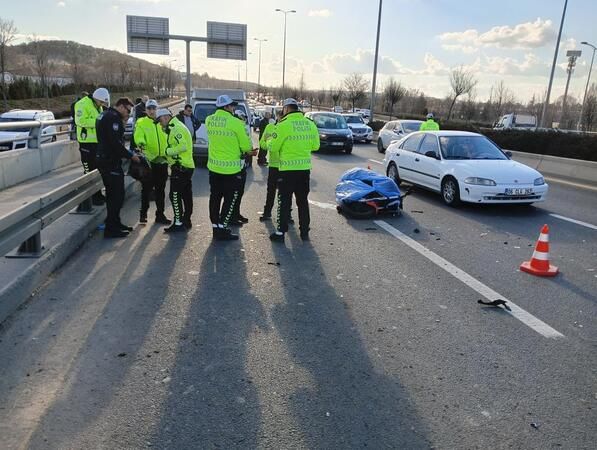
(368, 336)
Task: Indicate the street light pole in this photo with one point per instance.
(259, 69)
(372, 104)
(553, 67)
(285, 12)
(247, 72)
(582, 108)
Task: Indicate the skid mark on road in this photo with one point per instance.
(516, 311)
(577, 222)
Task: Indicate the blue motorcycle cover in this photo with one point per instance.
(360, 184)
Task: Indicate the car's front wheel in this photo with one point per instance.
(380, 148)
(451, 191)
(348, 149)
(393, 173)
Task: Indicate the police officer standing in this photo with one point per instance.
(430, 124)
(86, 112)
(152, 141)
(293, 140)
(228, 146)
(179, 154)
(110, 152)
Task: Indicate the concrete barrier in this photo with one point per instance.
(572, 169)
(17, 166)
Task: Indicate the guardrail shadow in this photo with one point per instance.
(350, 402)
(213, 403)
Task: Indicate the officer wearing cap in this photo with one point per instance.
(86, 112)
(110, 152)
(179, 154)
(228, 146)
(152, 141)
(430, 124)
(293, 140)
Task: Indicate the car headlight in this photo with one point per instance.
(323, 136)
(369, 129)
(479, 181)
(539, 181)
(202, 141)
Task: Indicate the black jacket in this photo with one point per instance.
(196, 124)
(262, 124)
(110, 139)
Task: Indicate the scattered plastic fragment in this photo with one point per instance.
(416, 231)
(121, 355)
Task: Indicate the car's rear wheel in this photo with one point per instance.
(451, 191)
(348, 150)
(380, 148)
(393, 173)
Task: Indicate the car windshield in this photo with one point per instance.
(329, 121)
(410, 127)
(354, 119)
(202, 110)
(469, 147)
(15, 129)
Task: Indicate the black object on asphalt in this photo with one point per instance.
(495, 303)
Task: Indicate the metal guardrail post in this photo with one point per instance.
(31, 248)
(86, 207)
(34, 139)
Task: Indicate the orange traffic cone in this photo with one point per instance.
(539, 263)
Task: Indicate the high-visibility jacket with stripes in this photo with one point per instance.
(227, 143)
(265, 143)
(151, 138)
(179, 148)
(294, 138)
(429, 125)
(86, 113)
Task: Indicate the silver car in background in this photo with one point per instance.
(394, 131)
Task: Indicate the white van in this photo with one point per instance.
(204, 105)
(20, 135)
(516, 121)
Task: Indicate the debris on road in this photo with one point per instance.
(274, 263)
(416, 231)
(121, 355)
(416, 211)
(496, 303)
(535, 425)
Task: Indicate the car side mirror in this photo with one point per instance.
(431, 154)
(509, 154)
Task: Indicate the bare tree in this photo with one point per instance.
(589, 118)
(302, 86)
(125, 73)
(321, 96)
(43, 66)
(8, 33)
(392, 94)
(462, 82)
(470, 106)
(356, 88)
(336, 94)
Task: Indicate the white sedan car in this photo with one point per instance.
(394, 131)
(463, 167)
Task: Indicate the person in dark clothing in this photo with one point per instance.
(110, 152)
(189, 120)
(263, 123)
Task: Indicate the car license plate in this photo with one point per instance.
(519, 191)
(337, 143)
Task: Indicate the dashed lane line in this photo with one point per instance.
(376, 161)
(577, 222)
(515, 311)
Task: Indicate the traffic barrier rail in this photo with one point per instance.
(22, 227)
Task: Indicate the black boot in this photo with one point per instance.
(275, 237)
(186, 222)
(110, 233)
(242, 218)
(124, 227)
(175, 228)
(224, 234)
(265, 216)
(98, 199)
(162, 219)
(142, 216)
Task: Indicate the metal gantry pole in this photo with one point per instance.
(372, 104)
(553, 67)
(188, 80)
(582, 108)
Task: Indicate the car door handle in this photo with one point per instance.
(417, 159)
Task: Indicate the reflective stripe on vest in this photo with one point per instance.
(222, 163)
(295, 162)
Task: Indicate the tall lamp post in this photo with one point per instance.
(372, 105)
(247, 72)
(582, 108)
(261, 41)
(553, 67)
(285, 12)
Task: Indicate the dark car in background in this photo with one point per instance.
(334, 133)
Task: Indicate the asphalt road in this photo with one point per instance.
(356, 339)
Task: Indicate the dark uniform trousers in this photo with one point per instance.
(88, 159)
(157, 184)
(226, 187)
(293, 182)
(272, 186)
(181, 192)
(113, 178)
(241, 192)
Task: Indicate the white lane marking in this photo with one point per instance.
(322, 205)
(578, 222)
(517, 312)
(376, 161)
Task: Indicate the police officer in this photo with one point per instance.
(237, 218)
(228, 145)
(86, 112)
(152, 141)
(293, 140)
(179, 154)
(110, 152)
(265, 142)
(430, 124)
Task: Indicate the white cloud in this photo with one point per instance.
(22, 37)
(522, 36)
(320, 13)
(361, 61)
(61, 4)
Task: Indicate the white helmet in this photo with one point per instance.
(430, 116)
(102, 95)
(151, 104)
(163, 112)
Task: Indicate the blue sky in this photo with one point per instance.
(420, 41)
